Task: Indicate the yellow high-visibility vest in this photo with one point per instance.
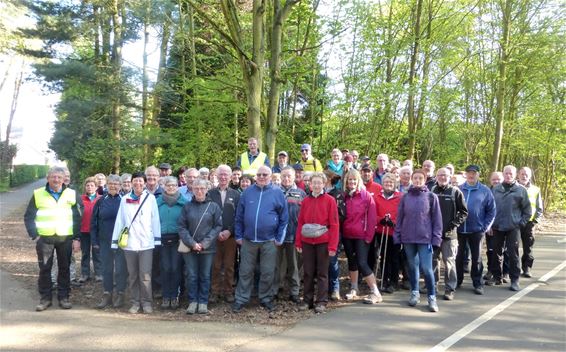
(248, 169)
(54, 217)
(533, 193)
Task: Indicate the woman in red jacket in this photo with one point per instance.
(317, 240)
(357, 234)
(387, 203)
(88, 199)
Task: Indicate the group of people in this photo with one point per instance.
(230, 233)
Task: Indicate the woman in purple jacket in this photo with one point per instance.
(419, 229)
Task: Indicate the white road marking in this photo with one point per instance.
(466, 330)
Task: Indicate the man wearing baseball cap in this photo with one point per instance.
(309, 162)
(165, 169)
(282, 161)
(481, 213)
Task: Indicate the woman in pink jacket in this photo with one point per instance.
(358, 231)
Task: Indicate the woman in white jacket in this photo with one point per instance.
(144, 235)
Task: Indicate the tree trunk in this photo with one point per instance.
(116, 61)
(501, 81)
(279, 17)
(146, 118)
(412, 73)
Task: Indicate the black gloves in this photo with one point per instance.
(386, 221)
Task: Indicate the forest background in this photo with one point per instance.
(463, 81)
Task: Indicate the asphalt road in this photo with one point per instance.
(530, 320)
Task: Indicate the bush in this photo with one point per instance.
(27, 173)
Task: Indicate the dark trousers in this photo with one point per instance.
(390, 261)
(474, 242)
(528, 241)
(286, 270)
(114, 269)
(45, 247)
(170, 271)
(315, 265)
(250, 253)
(372, 253)
(489, 241)
(87, 252)
(357, 254)
(223, 267)
(156, 271)
(510, 239)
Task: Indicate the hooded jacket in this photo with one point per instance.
(361, 216)
(103, 218)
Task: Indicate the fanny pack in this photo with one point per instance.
(313, 230)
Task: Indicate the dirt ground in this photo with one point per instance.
(17, 256)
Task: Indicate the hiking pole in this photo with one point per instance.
(379, 266)
(384, 256)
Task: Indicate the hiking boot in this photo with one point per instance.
(119, 301)
(388, 289)
(268, 305)
(320, 308)
(147, 308)
(351, 295)
(214, 298)
(134, 309)
(64, 303)
(106, 301)
(295, 299)
(449, 295)
(373, 298)
(174, 303)
(305, 306)
(527, 273)
(488, 276)
(493, 282)
(202, 308)
(229, 298)
(192, 309)
(478, 290)
(415, 298)
(515, 286)
(335, 295)
(432, 305)
(83, 279)
(166, 303)
(237, 307)
(43, 305)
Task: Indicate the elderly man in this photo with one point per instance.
(381, 169)
(405, 178)
(227, 199)
(52, 218)
(513, 212)
(428, 167)
(261, 219)
(527, 231)
(152, 185)
(286, 268)
(282, 162)
(191, 174)
(251, 160)
(165, 169)
(454, 213)
(309, 162)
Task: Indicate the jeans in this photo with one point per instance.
(114, 269)
(199, 268)
(249, 253)
(139, 275)
(286, 269)
(510, 239)
(420, 256)
(45, 247)
(170, 271)
(448, 250)
(87, 249)
(474, 242)
(334, 273)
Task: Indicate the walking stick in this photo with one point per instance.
(378, 266)
(384, 256)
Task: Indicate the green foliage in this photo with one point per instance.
(27, 173)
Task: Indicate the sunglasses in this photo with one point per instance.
(262, 175)
(304, 150)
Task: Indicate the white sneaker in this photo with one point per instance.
(192, 308)
(351, 295)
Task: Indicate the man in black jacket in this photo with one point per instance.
(227, 199)
(454, 213)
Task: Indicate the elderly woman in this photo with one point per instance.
(170, 204)
(387, 203)
(200, 224)
(125, 184)
(114, 272)
(419, 229)
(88, 199)
(357, 234)
(317, 238)
(139, 213)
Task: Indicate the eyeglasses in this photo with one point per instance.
(304, 150)
(262, 175)
(171, 185)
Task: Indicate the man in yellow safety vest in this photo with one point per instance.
(52, 219)
(251, 160)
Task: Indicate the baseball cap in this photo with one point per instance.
(165, 166)
(306, 146)
(365, 158)
(348, 158)
(366, 167)
(472, 167)
(298, 167)
(282, 153)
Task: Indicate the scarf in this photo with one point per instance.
(170, 200)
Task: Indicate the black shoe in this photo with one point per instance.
(494, 282)
(119, 301)
(65, 303)
(515, 286)
(448, 295)
(527, 273)
(106, 301)
(237, 307)
(268, 305)
(478, 290)
(295, 299)
(388, 289)
(43, 305)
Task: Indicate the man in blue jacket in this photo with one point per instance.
(261, 222)
(481, 212)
